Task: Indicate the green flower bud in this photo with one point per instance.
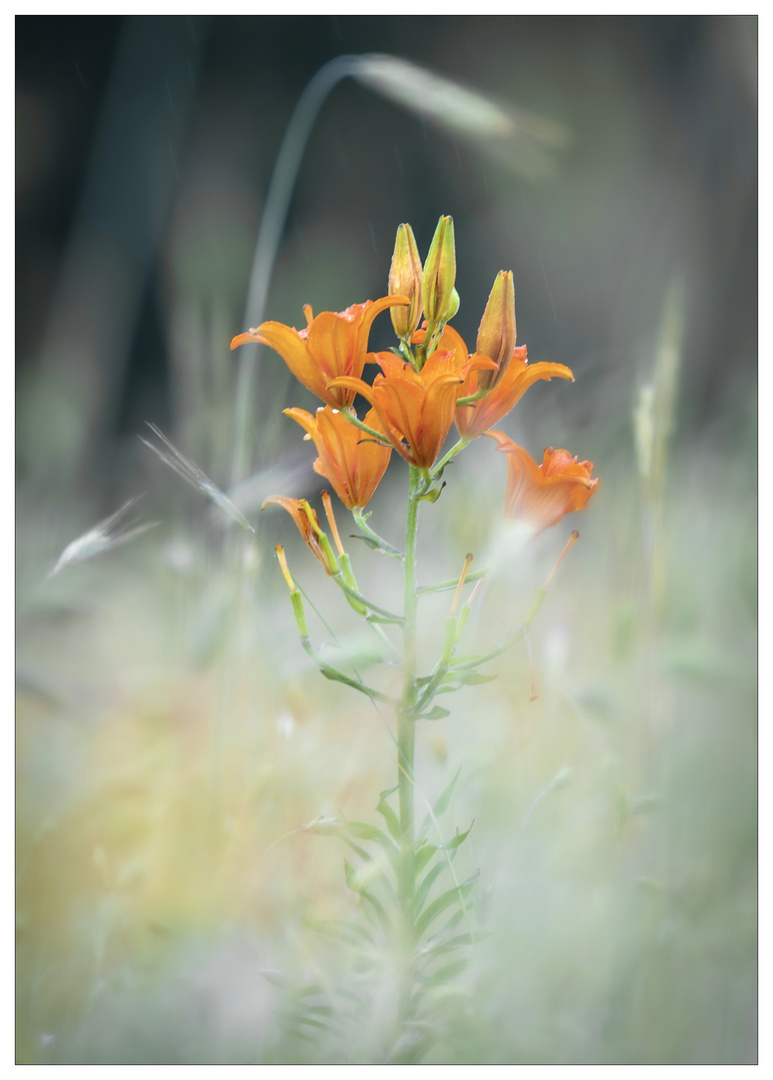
(453, 305)
(496, 334)
(405, 280)
(440, 275)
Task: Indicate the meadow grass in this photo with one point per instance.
(173, 739)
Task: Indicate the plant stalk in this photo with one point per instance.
(406, 721)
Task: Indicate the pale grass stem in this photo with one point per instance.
(100, 538)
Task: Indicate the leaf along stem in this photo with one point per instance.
(361, 521)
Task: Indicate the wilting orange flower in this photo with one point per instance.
(332, 344)
(542, 494)
(416, 408)
(308, 526)
(348, 458)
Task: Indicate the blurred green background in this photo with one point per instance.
(172, 737)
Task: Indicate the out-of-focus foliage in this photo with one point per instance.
(172, 737)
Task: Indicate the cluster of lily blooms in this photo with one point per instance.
(427, 384)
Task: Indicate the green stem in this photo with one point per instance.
(385, 616)
(353, 419)
(437, 469)
(441, 668)
(361, 521)
(443, 586)
(467, 665)
(406, 720)
(472, 398)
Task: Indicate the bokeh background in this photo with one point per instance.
(172, 737)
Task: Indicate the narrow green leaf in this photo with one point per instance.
(392, 853)
(428, 881)
(365, 539)
(455, 919)
(468, 678)
(442, 803)
(388, 814)
(447, 946)
(350, 875)
(437, 712)
(433, 495)
(310, 1022)
(443, 974)
(351, 933)
(455, 841)
(378, 908)
(354, 882)
(361, 852)
(443, 902)
(320, 1010)
(423, 856)
(338, 676)
(363, 831)
(297, 1033)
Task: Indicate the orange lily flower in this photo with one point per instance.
(515, 380)
(542, 494)
(332, 344)
(308, 526)
(475, 420)
(353, 463)
(416, 408)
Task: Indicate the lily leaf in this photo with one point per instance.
(423, 856)
(437, 712)
(468, 678)
(433, 495)
(355, 883)
(429, 880)
(366, 539)
(455, 841)
(457, 895)
(437, 947)
(443, 802)
(338, 676)
(443, 974)
(363, 831)
(388, 814)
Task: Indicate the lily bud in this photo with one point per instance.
(453, 304)
(405, 280)
(440, 275)
(496, 333)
